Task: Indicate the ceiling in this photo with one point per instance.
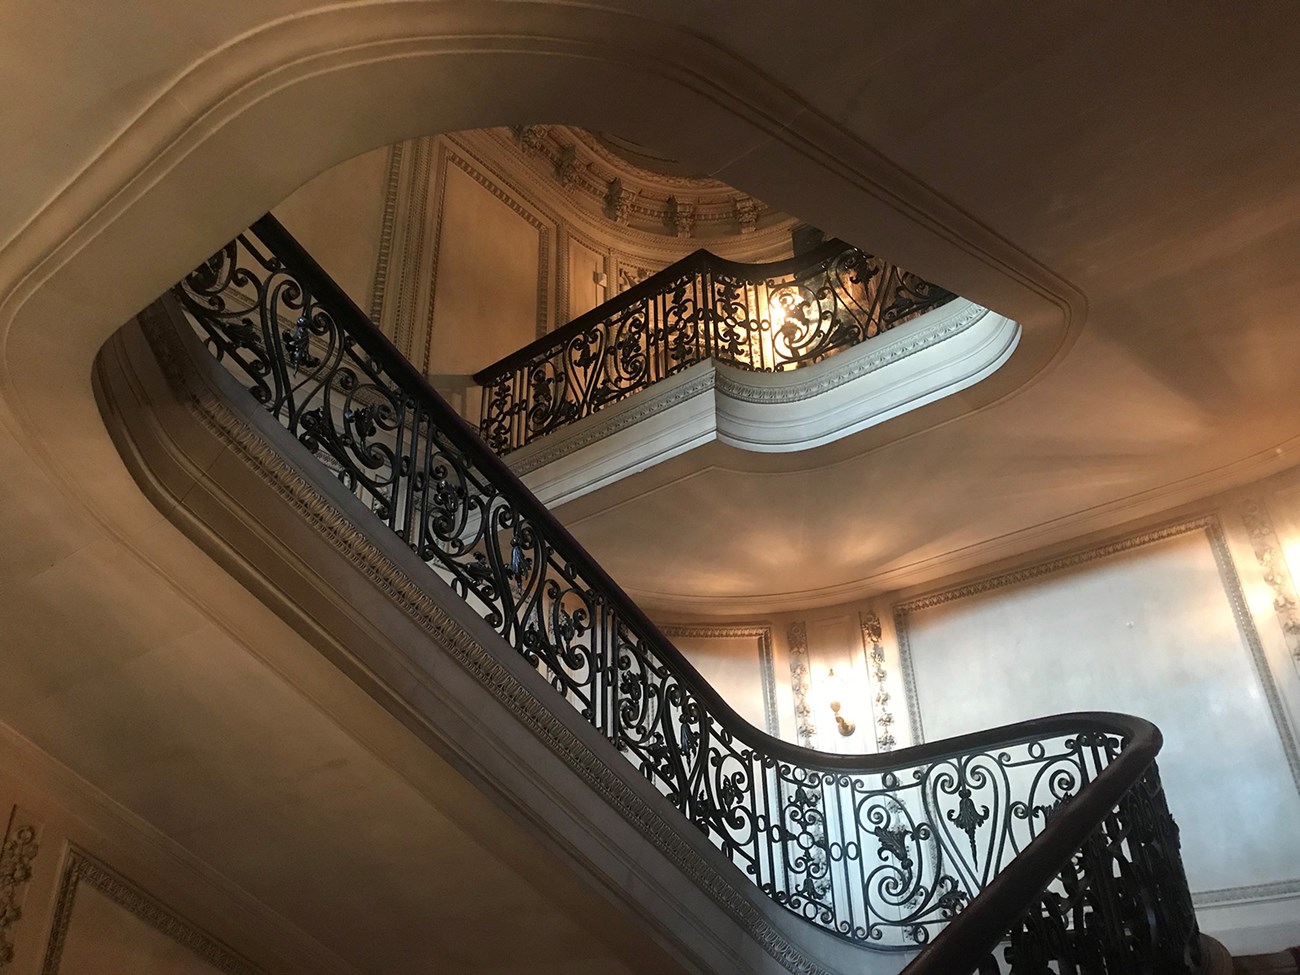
(1150, 161)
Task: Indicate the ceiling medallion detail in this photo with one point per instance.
(609, 183)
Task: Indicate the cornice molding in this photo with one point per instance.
(580, 164)
(497, 150)
(335, 527)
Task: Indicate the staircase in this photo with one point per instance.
(1034, 847)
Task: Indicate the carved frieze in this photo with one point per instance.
(746, 211)
(618, 201)
(566, 166)
(682, 217)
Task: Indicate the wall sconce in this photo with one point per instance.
(835, 688)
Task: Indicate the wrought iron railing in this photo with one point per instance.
(767, 317)
(881, 850)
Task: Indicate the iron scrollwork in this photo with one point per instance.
(765, 317)
(880, 850)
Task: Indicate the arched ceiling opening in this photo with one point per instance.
(852, 130)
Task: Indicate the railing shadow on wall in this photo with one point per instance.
(1050, 835)
(763, 317)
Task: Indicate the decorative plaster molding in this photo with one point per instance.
(379, 285)
(629, 194)
(335, 527)
(1235, 895)
(874, 649)
(1272, 563)
(940, 353)
(81, 868)
(21, 844)
(564, 442)
(414, 174)
(631, 274)
(762, 633)
(844, 368)
(626, 166)
(519, 171)
(801, 683)
(1213, 530)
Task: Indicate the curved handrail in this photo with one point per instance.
(764, 317)
(1123, 806)
(943, 819)
(653, 285)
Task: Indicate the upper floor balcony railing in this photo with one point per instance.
(766, 317)
(1051, 835)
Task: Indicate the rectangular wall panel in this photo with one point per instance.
(737, 663)
(1158, 630)
(489, 276)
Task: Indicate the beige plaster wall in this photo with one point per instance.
(490, 287)
(338, 217)
(90, 889)
(737, 662)
(104, 937)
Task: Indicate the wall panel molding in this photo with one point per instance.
(450, 154)
(387, 222)
(80, 868)
(1207, 525)
(761, 633)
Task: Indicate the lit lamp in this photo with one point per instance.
(835, 687)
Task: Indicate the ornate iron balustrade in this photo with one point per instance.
(768, 317)
(1052, 833)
